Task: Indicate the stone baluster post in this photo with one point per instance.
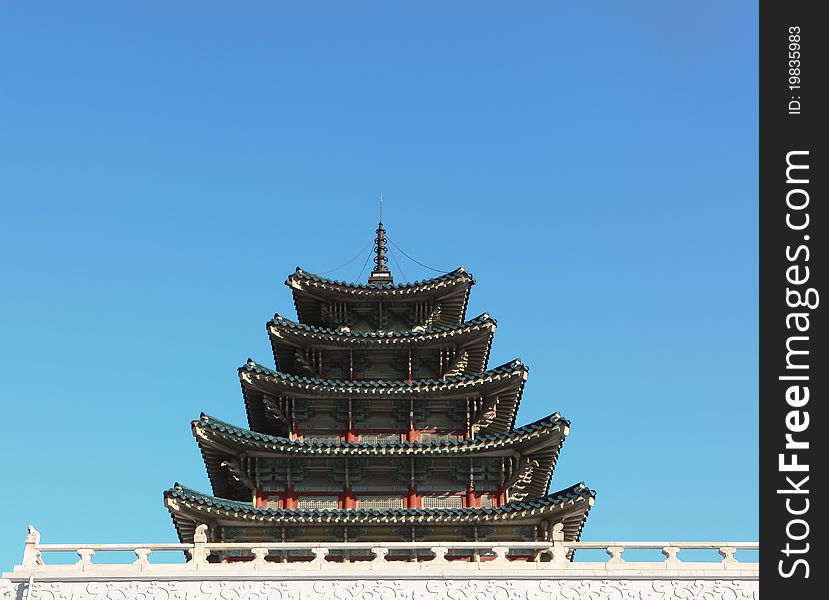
(200, 551)
(142, 556)
(85, 555)
(615, 554)
(319, 556)
(727, 553)
(440, 554)
(380, 554)
(670, 553)
(31, 553)
(559, 549)
(500, 554)
(259, 556)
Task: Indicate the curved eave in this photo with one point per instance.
(544, 432)
(506, 381)
(220, 481)
(218, 441)
(451, 289)
(474, 336)
(459, 275)
(189, 508)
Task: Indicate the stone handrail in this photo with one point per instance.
(484, 555)
(541, 570)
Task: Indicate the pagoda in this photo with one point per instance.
(381, 421)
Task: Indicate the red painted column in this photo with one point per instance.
(413, 498)
(349, 500)
(291, 500)
(412, 434)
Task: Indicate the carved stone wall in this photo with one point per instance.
(387, 589)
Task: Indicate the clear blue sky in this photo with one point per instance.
(164, 167)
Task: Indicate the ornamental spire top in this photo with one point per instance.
(381, 273)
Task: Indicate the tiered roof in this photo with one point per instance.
(568, 506)
(505, 381)
(219, 440)
(313, 292)
(474, 337)
(372, 374)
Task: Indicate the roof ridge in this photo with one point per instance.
(218, 424)
(308, 275)
(551, 419)
(577, 490)
(481, 319)
(511, 366)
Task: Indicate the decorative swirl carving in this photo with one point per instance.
(700, 589)
(6, 590)
(436, 588)
(244, 590)
(362, 590)
(131, 590)
(476, 589)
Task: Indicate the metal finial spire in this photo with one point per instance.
(381, 273)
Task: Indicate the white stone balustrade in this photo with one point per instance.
(256, 555)
(394, 569)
